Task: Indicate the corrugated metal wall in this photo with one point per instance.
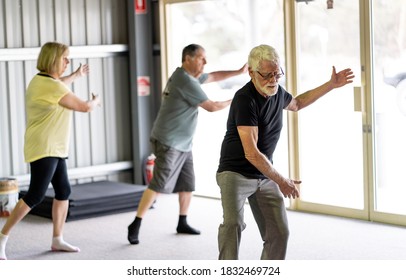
(96, 31)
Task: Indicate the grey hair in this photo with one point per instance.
(190, 50)
(262, 53)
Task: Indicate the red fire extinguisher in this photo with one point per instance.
(149, 168)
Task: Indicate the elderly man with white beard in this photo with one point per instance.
(246, 168)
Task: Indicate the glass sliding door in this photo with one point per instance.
(227, 29)
(331, 136)
(389, 102)
(350, 144)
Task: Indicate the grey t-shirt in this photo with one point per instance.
(176, 122)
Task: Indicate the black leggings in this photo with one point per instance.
(44, 171)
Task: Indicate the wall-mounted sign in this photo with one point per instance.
(143, 86)
(140, 6)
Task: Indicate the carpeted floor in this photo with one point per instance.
(313, 237)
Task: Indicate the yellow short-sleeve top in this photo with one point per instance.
(48, 124)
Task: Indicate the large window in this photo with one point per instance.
(227, 29)
(330, 130)
(389, 99)
(348, 146)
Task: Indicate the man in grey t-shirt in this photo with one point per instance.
(172, 135)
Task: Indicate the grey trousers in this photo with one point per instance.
(267, 206)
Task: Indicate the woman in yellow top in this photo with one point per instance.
(49, 107)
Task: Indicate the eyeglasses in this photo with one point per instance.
(270, 76)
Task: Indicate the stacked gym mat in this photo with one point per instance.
(94, 199)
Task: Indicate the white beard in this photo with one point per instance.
(269, 91)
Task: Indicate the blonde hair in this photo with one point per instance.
(49, 58)
(262, 53)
